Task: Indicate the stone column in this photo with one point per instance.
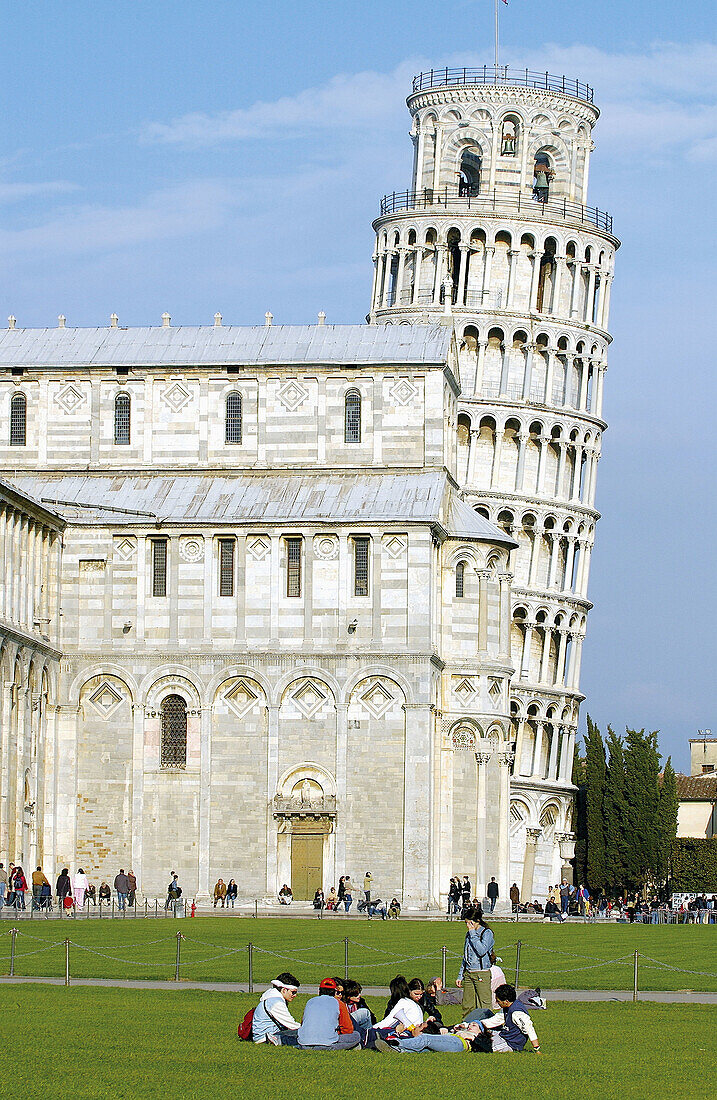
(545, 656)
(566, 756)
(388, 263)
(575, 286)
(439, 274)
(375, 259)
(528, 371)
(480, 366)
(560, 669)
(205, 792)
(600, 389)
(137, 789)
(420, 154)
(437, 157)
(553, 568)
(526, 886)
(527, 644)
(559, 268)
(272, 780)
(562, 447)
(495, 472)
(380, 275)
(553, 759)
(543, 441)
(569, 562)
(513, 253)
(605, 310)
(549, 375)
(520, 465)
(417, 803)
(535, 555)
(589, 303)
(536, 768)
(464, 250)
(482, 759)
(487, 271)
(342, 823)
(505, 760)
(575, 479)
(5, 736)
(397, 298)
(417, 272)
(504, 370)
(534, 280)
(584, 375)
(504, 580)
(483, 576)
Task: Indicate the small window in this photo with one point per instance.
(232, 422)
(226, 567)
(18, 420)
(159, 567)
(460, 579)
(122, 419)
(352, 421)
(361, 549)
(293, 567)
(173, 751)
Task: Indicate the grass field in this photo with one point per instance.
(115, 1043)
(571, 956)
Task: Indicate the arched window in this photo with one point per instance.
(18, 420)
(352, 417)
(122, 414)
(232, 422)
(173, 752)
(469, 174)
(460, 579)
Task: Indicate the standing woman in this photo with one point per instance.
(340, 892)
(19, 886)
(348, 892)
(63, 887)
(79, 888)
(474, 973)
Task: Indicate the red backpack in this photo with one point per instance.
(244, 1028)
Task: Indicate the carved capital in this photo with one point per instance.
(482, 758)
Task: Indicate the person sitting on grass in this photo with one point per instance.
(320, 1024)
(361, 1014)
(272, 1022)
(511, 1027)
(406, 1013)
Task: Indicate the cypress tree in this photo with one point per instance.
(595, 771)
(641, 820)
(615, 814)
(581, 841)
(668, 805)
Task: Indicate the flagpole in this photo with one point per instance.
(496, 41)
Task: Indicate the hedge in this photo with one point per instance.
(694, 864)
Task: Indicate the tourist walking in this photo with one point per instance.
(79, 888)
(63, 887)
(474, 973)
(3, 884)
(514, 897)
(121, 885)
(38, 882)
(454, 896)
(492, 892)
(348, 893)
(367, 880)
(132, 895)
(466, 892)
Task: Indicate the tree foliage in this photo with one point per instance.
(626, 821)
(694, 864)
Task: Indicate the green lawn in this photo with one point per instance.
(572, 956)
(114, 1043)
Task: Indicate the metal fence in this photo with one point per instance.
(502, 74)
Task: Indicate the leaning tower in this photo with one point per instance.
(496, 238)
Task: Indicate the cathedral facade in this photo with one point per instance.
(286, 603)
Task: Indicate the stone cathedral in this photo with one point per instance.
(286, 603)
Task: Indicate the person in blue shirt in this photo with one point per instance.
(474, 973)
(320, 1023)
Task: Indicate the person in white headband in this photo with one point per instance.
(272, 1022)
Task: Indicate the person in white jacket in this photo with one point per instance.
(272, 1022)
(79, 888)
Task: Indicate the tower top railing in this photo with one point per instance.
(501, 74)
(451, 199)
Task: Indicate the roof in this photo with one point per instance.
(21, 499)
(422, 497)
(193, 345)
(697, 788)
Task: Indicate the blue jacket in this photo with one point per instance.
(476, 950)
(320, 1022)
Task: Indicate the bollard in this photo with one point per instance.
(155, 907)
(113, 906)
(251, 967)
(180, 937)
(13, 933)
(346, 958)
(517, 962)
(145, 908)
(67, 962)
(256, 908)
(443, 965)
(635, 978)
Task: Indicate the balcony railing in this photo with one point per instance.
(501, 74)
(452, 200)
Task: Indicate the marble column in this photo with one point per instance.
(526, 886)
(418, 887)
(482, 759)
(505, 761)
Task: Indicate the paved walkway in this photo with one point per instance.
(673, 997)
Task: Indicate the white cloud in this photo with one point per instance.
(174, 212)
(16, 192)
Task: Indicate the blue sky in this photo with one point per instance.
(201, 157)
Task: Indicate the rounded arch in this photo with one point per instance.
(236, 672)
(173, 679)
(372, 671)
(92, 672)
(310, 770)
(305, 672)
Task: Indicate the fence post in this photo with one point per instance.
(443, 965)
(635, 977)
(346, 958)
(13, 934)
(156, 903)
(145, 908)
(251, 967)
(113, 905)
(67, 962)
(256, 908)
(517, 962)
(180, 937)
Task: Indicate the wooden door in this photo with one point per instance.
(307, 865)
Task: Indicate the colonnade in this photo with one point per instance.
(544, 750)
(564, 643)
(553, 384)
(29, 570)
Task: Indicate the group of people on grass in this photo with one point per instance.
(495, 1019)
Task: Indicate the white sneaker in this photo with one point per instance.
(274, 1040)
